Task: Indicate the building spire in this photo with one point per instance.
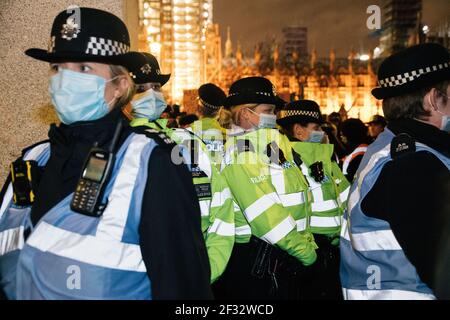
(332, 60)
(313, 58)
(228, 45)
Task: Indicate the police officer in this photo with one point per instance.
(272, 241)
(210, 101)
(149, 80)
(395, 226)
(214, 197)
(301, 121)
(125, 249)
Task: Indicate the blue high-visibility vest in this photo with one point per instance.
(73, 256)
(373, 264)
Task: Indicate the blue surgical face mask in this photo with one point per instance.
(149, 104)
(266, 121)
(316, 136)
(78, 96)
(445, 125)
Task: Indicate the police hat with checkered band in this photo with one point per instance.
(88, 35)
(250, 90)
(211, 96)
(301, 111)
(144, 68)
(412, 69)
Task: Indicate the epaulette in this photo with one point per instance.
(160, 137)
(402, 144)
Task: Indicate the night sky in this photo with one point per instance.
(331, 23)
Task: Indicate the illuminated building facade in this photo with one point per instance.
(176, 31)
(337, 84)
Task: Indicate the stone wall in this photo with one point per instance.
(25, 110)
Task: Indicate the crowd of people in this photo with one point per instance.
(252, 197)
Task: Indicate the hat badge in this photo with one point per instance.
(146, 69)
(70, 29)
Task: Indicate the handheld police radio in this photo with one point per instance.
(25, 178)
(87, 198)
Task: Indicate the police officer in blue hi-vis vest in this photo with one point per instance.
(98, 211)
(394, 232)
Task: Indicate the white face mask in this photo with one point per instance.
(266, 121)
(445, 123)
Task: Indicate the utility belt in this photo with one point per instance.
(327, 253)
(271, 260)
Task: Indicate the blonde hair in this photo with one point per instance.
(119, 71)
(224, 118)
(228, 117)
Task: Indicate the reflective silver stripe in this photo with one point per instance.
(372, 162)
(352, 294)
(36, 151)
(219, 198)
(236, 207)
(314, 186)
(325, 222)
(222, 228)
(292, 199)
(114, 218)
(301, 224)
(324, 206)
(6, 200)
(349, 158)
(277, 177)
(371, 241)
(262, 204)
(280, 231)
(243, 230)
(204, 207)
(344, 195)
(87, 248)
(11, 239)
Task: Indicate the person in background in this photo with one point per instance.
(187, 120)
(120, 244)
(273, 244)
(331, 126)
(335, 119)
(376, 126)
(301, 121)
(394, 240)
(216, 207)
(354, 134)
